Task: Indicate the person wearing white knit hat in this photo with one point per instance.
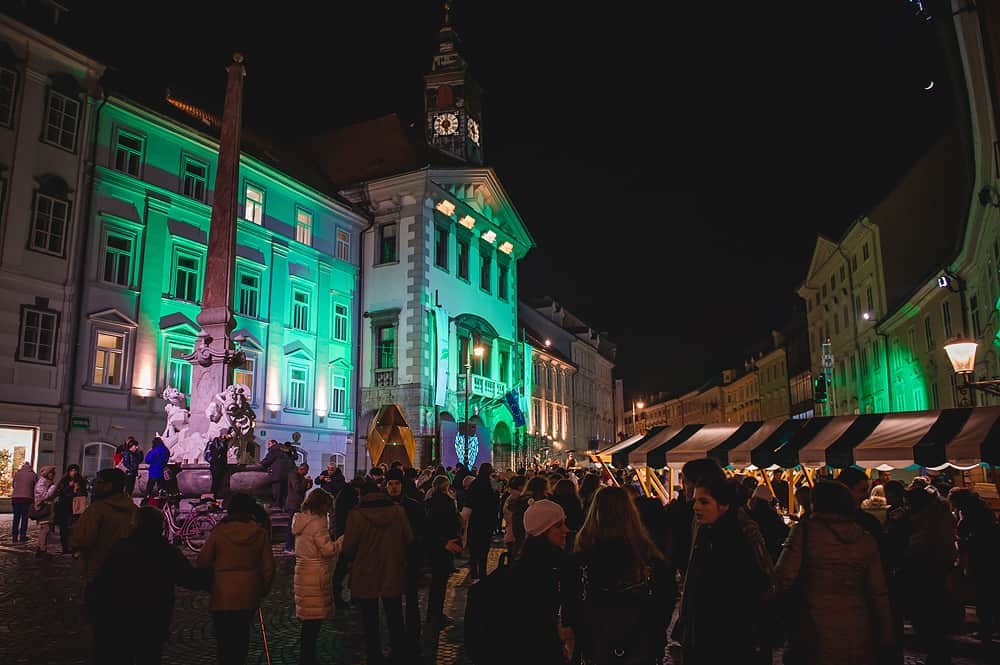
(546, 518)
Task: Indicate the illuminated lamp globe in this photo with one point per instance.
(962, 354)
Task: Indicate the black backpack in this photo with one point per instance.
(488, 609)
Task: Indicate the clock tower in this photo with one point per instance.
(453, 101)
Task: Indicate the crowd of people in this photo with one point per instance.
(728, 571)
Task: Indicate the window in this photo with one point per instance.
(253, 205)
(179, 369)
(946, 319)
(912, 337)
(303, 227)
(463, 258)
(243, 375)
(865, 252)
(338, 396)
(128, 154)
(97, 456)
(870, 299)
(843, 274)
(935, 398)
(298, 387)
(248, 294)
(485, 270)
(833, 283)
(854, 263)
(38, 335)
(62, 120)
(974, 316)
(441, 247)
(118, 248)
(503, 279)
(187, 268)
(876, 353)
(343, 245)
(48, 229)
(340, 322)
(8, 92)
(300, 309)
(505, 366)
(194, 179)
(108, 355)
(928, 333)
(387, 243)
(385, 341)
(857, 305)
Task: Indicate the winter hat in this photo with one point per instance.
(541, 516)
(763, 493)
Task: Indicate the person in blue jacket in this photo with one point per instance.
(157, 459)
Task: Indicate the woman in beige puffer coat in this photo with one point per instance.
(314, 554)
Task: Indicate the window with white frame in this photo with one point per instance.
(8, 95)
(179, 369)
(128, 154)
(48, 224)
(503, 281)
(485, 269)
(194, 179)
(298, 387)
(62, 120)
(248, 293)
(343, 245)
(109, 355)
(243, 375)
(37, 342)
(300, 309)
(253, 204)
(187, 273)
(340, 322)
(119, 250)
(338, 395)
(946, 320)
(441, 238)
(303, 227)
(387, 248)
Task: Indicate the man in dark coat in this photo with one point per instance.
(299, 483)
(394, 486)
(218, 459)
(485, 504)
(345, 500)
(131, 459)
(277, 462)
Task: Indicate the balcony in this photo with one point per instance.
(385, 378)
(482, 387)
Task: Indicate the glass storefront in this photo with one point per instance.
(17, 446)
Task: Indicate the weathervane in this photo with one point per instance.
(447, 8)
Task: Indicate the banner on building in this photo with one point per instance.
(443, 341)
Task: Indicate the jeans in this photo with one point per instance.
(232, 635)
(20, 527)
(393, 608)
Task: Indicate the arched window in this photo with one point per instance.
(97, 456)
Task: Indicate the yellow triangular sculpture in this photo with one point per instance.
(389, 435)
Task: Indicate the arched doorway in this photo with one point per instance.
(503, 447)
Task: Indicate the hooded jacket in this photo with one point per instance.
(105, 522)
(239, 553)
(24, 483)
(375, 540)
(846, 613)
(314, 553)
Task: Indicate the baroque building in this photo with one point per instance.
(48, 100)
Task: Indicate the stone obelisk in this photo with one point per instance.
(211, 373)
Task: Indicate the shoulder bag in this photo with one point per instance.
(616, 622)
(40, 512)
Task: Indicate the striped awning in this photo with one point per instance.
(780, 447)
(890, 444)
(737, 453)
(704, 439)
(812, 452)
(619, 458)
(657, 457)
(621, 445)
(637, 456)
(964, 438)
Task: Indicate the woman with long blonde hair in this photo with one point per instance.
(619, 589)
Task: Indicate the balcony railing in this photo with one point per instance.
(482, 387)
(385, 378)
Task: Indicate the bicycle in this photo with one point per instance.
(193, 530)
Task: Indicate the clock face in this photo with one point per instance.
(446, 124)
(474, 131)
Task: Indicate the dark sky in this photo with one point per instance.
(674, 161)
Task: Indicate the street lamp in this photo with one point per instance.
(962, 354)
(640, 404)
(478, 352)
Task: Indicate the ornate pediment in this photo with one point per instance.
(114, 317)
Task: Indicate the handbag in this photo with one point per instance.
(79, 504)
(40, 512)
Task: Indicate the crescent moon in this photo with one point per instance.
(929, 85)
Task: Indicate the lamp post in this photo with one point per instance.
(640, 404)
(962, 354)
(478, 352)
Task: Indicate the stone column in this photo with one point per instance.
(211, 374)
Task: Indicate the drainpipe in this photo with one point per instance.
(85, 184)
(356, 397)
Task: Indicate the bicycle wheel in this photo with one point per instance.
(196, 530)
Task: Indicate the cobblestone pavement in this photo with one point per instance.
(43, 620)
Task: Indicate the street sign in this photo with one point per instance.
(80, 422)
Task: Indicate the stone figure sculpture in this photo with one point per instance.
(177, 416)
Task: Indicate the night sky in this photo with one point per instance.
(674, 162)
